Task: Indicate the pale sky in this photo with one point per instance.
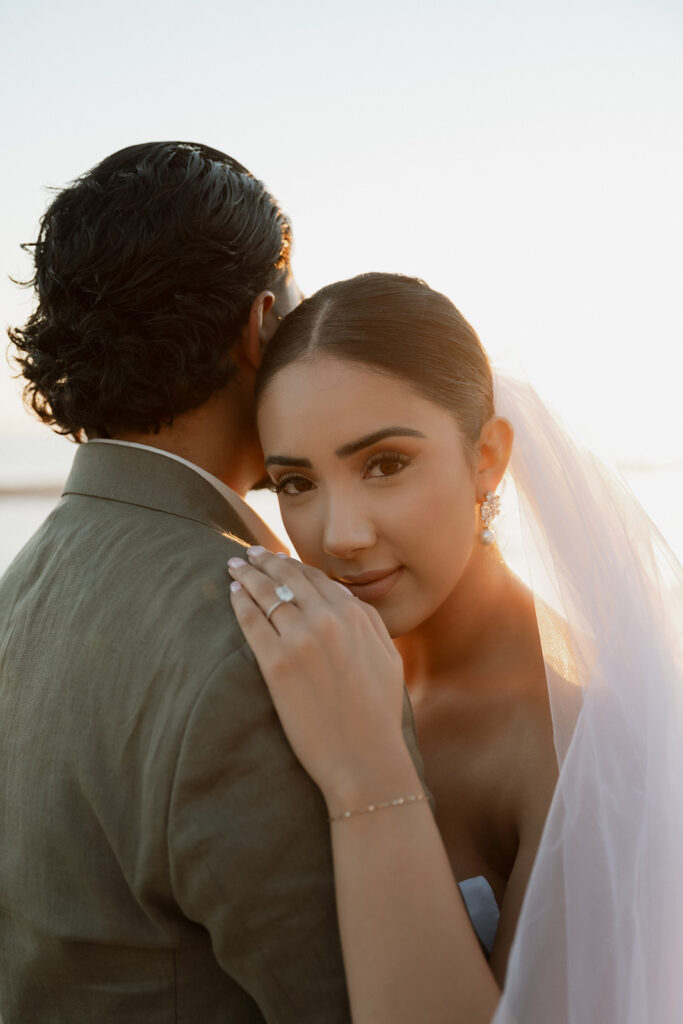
(524, 157)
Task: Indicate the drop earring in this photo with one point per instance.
(489, 509)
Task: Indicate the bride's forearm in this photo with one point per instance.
(336, 680)
(409, 950)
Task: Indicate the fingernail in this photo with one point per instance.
(235, 563)
(281, 554)
(255, 551)
(235, 586)
(343, 587)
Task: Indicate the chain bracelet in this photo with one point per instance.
(399, 801)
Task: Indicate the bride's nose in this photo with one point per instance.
(347, 528)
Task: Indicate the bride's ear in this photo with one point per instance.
(495, 447)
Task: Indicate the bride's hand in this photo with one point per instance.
(334, 675)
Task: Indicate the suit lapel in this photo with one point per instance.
(134, 476)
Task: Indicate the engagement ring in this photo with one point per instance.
(284, 596)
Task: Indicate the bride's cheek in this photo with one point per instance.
(445, 542)
(305, 532)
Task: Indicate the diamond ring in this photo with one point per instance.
(284, 596)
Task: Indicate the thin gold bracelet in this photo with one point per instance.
(399, 801)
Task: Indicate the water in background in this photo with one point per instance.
(33, 469)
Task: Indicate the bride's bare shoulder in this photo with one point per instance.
(550, 646)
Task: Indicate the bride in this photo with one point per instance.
(549, 720)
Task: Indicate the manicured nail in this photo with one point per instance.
(255, 551)
(236, 563)
(235, 586)
(281, 554)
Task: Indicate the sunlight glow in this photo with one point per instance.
(525, 159)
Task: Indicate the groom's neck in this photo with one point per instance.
(219, 436)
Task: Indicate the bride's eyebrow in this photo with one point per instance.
(288, 460)
(347, 449)
(377, 435)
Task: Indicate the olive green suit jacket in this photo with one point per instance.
(163, 855)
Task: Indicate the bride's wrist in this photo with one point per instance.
(371, 781)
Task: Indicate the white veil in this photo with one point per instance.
(600, 935)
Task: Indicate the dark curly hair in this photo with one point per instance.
(145, 271)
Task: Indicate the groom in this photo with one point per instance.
(163, 855)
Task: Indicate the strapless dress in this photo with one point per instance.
(482, 909)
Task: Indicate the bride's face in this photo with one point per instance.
(374, 484)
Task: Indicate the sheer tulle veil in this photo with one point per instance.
(600, 936)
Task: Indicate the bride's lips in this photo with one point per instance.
(370, 585)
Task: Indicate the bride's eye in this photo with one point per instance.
(290, 485)
(383, 464)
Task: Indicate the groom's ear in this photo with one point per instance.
(256, 333)
(495, 448)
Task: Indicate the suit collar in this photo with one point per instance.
(138, 476)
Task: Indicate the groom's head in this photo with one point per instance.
(150, 269)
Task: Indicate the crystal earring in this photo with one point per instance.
(490, 507)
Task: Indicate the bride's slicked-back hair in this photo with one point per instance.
(399, 326)
(145, 271)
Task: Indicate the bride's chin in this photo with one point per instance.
(398, 620)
